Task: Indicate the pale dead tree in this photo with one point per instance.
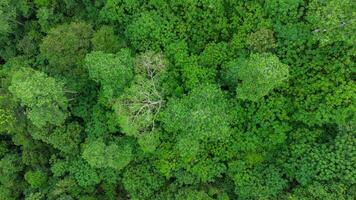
(150, 64)
(140, 104)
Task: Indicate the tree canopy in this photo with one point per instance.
(177, 100)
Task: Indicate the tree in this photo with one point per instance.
(138, 107)
(177, 99)
(100, 155)
(65, 46)
(256, 183)
(258, 75)
(47, 18)
(192, 74)
(84, 174)
(112, 71)
(214, 55)
(320, 191)
(197, 22)
(284, 11)
(11, 183)
(142, 181)
(8, 16)
(7, 116)
(101, 122)
(262, 40)
(36, 178)
(197, 124)
(45, 105)
(137, 111)
(105, 40)
(145, 31)
(10, 13)
(35, 196)
(11, 120)
(117, 11)
(331, 161)
(64, 49)
(65, 138)
(13, 15)
(332, 20)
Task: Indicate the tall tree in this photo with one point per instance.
(256, 76)
(42, 96)
(112, 71)
(138, 107)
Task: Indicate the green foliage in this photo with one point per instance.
(332, 21)
(100, 155)
(46, 18)
(285, 11)
(115, 10)
(321, 191)
(199, 22)
(137, 108)
(266, 185)
(192, 195)
(12, 14)
(36, 178)
(35, 196)
(66, 45)
(7, 118)
(102, 122)
(63, 138)
(214, 55)
(8, 17)
(177, 99)
(200, 113)
(105, 40)
(142, 181)
(262, 40)
(192, 73)
(199, 122)
(258, 75)
(11, 182)
(84, 174)
(112, 71)
(144, 32)
(46, 105)
(335, 161)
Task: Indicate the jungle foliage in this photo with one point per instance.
(181, 100)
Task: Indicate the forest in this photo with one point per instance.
(177, 100)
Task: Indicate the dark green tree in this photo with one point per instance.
(105, 40)
(66, 45)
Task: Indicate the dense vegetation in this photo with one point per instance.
(177, 99)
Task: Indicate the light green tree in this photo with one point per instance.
(257, 75)
(100, 155)
(36, 178)
(43, 97)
